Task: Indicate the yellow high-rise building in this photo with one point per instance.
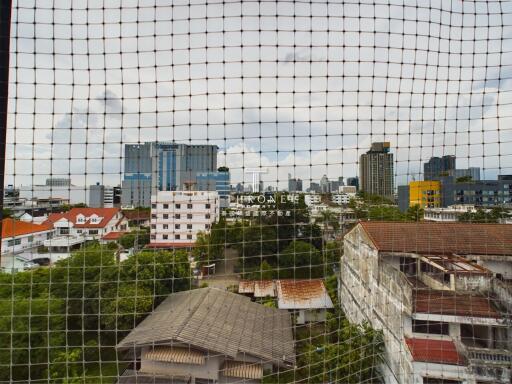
(426, 194)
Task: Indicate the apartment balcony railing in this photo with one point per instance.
(490, 364)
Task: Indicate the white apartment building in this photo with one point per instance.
(342, 198)
(178, 216)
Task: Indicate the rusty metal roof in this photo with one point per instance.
(243, 370)
(455, 264)
(435, 351)
(302, 294)
(246, 286)
(264, 288)
(175, 355)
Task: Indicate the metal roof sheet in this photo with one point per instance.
(435, 351)
(219, 321)
(264, 288)
(242, 370)
(175, 355)
(302, 294)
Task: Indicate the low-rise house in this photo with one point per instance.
(208, 335)
(432, 288)
(89, 223)
(307, 299)
(18, 237)
(137, 217)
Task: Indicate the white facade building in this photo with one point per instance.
(342, 198)
(312, 198)
(178, 216)
(448, 214)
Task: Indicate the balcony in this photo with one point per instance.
(490, 364)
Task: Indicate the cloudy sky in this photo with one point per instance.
(298, 87)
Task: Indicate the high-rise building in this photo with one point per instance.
(376, 170)
(218, 181)
(103, 196)
(325, 186)
(438, 167)
(314, 187)
(58, 182)
(165, 166)
(354, 182)
(473, 172)
(294, 184)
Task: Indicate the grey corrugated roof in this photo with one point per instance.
(218, 321)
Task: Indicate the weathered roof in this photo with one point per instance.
(243, 370)
(134, 214)
(302, 294)
(219, 321)
(435, 351)
(454, 303)
(246, 286)
(264, 288)
(440, 238)
(130, 376)
(13, 228)
(175, 355)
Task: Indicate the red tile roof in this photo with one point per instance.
(113, 235)
(106, 213)
(454, 304)
(440, 238)
(13, 228)
(435, 351)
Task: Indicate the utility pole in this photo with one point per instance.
(5, 39)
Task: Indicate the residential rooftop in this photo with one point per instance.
(434, 351)
(440, 238)
(218, 321)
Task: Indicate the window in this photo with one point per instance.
(207, 226)
(189, 216)
(93, 231)
(166, 216)
(153, 226)
(189, 237)
(165, 226)
(177, 226)
(153, 206)
(10, 243)
(189, 206)
(207, 216)
(153, 216)
(78, 231)
(207, 206)
(17, 241)
(177, 237)
(166, 206)
(177, 216)
(178, 206)
(31, 239)
(189, 226)
(165, 237)
(432, 327)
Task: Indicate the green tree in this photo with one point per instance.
(138, 239)
(300, 260)
(415, 213)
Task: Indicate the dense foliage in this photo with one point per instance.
(485, 215)
(88, 300)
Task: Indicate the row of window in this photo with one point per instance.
(178, 216)
(178, 206)
(176, 237)
(178, 226)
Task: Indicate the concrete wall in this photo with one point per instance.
(376, 292)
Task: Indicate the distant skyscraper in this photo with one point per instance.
(218, 181)
(354, 182)
(166, 166)
(438, 167)
(376, 170)
(294, 185)
(324, 184)
(473, 172)
(101, 196)
(314, 187)
(58, 182)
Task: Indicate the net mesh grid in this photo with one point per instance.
(286, 90)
